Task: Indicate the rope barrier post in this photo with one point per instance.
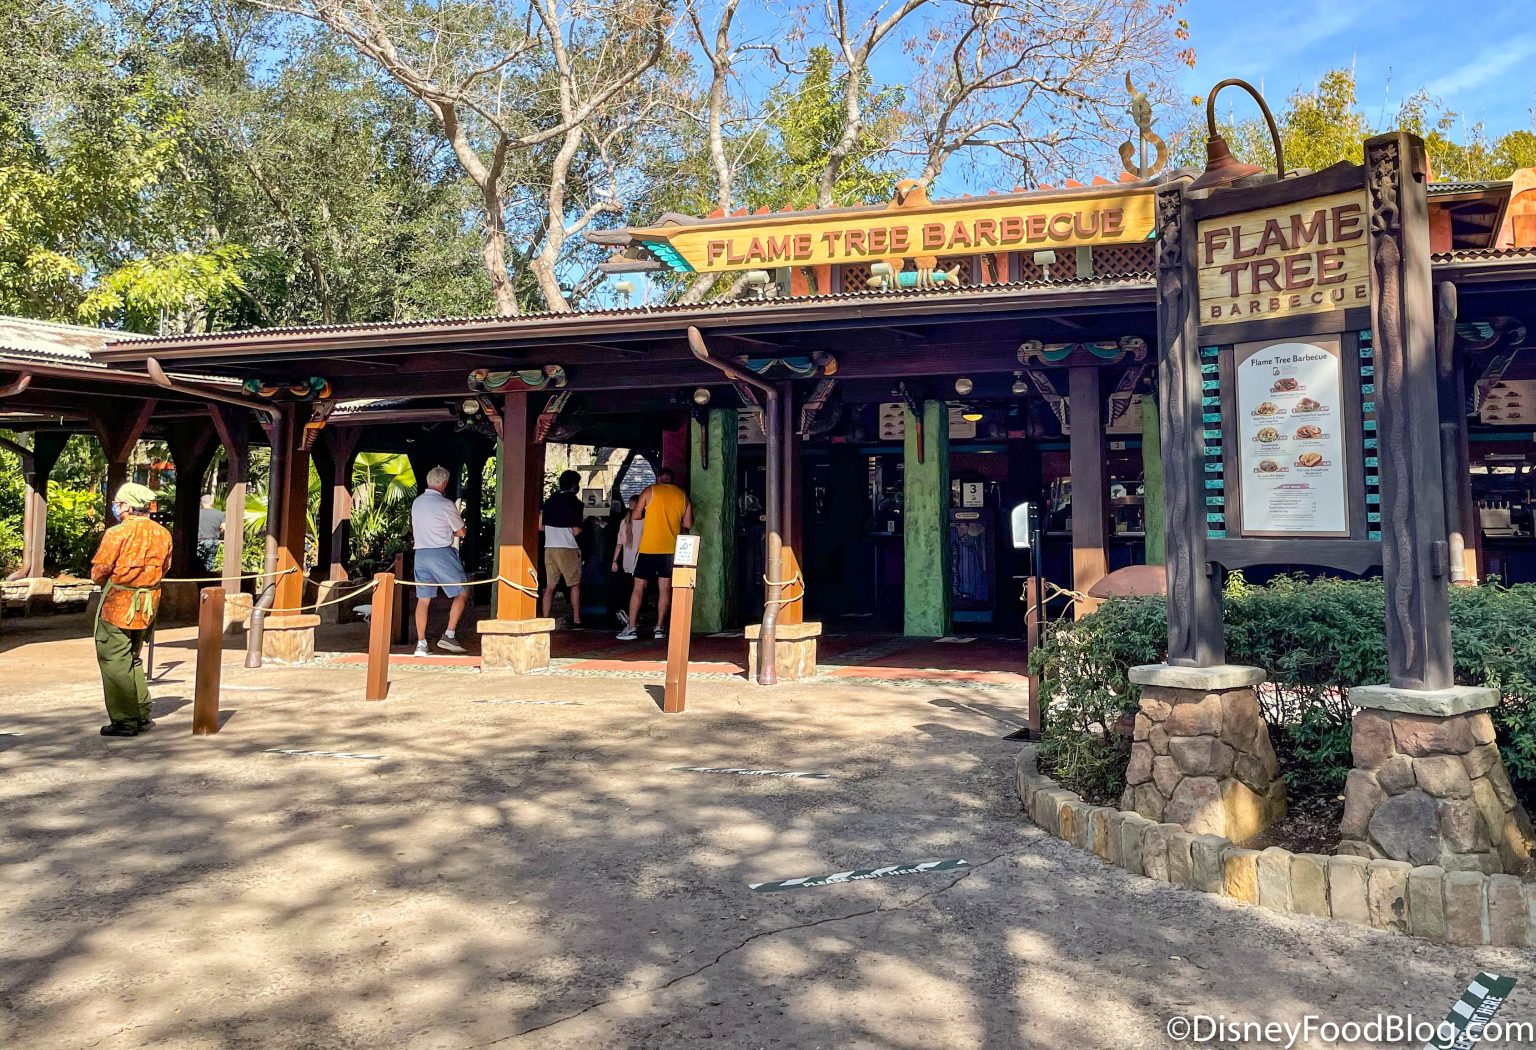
(1032, 613)
(380, 626)
(210, 657)
(396, 604)
(685, 571)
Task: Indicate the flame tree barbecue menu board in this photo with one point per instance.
(1290, 444)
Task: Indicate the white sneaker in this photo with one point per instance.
(623, 618)
(449, 645)
(627, 634)
(421, 649)
(659, 635)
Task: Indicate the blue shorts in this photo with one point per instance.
(439, 565)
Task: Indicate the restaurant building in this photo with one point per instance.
(857, 420)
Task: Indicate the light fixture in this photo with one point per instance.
(1045, 260)
(470, 406)
(1221, 168)
(624, 288)
(701, 396)
(1019, 388)
(972, 414)
(964, 386)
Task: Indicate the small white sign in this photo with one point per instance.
(686, 553)
(971, 494)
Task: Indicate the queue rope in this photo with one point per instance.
(797, 578)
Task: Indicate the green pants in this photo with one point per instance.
(122, 672)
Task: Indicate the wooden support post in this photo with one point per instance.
(684, 579)
(1415, 559)
(36, 464)
(385, 611)
(925, 522)
(1194, 593)
(792, 612)
(713, 491)
(1152, 479)
(290, 472)
(520, 481)
(1090, 483)
(335, 452)
(674, 449)
(210, 657)
(192, 448)
(233, 427)
(119, 431)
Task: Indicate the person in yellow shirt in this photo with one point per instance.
(128, 565)
(665, 511)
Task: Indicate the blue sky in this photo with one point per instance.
(1477, 56)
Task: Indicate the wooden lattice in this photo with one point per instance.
(1111, 260)
(853, 277)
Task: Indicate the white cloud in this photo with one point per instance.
(1488, 64)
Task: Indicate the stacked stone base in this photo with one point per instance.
(794, 650)
(1201, 757)
(1449, 907)
(518, 646)
(289, 639)
(1432, 790)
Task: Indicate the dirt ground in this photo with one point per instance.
(539, 875)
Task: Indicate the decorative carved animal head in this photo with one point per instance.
(910, 193)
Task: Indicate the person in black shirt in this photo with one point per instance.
(562, 518)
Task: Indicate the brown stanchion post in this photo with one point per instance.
(1032, 614)
(685, 571)
(380, 627)
(210, 656)
(397, 603)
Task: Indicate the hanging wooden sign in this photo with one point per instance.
(1307, 257)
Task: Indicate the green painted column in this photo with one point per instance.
(1152, 472)
(713, 491)
(925, 524)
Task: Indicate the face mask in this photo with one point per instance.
(117, 513)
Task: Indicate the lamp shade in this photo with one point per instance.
(1221, 168)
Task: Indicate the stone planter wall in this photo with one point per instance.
(1449, 907)
(1432, 790)
(1201, 757)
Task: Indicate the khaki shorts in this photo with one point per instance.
(562, 563)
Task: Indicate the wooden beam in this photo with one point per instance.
(519, 486)
(1090, 482)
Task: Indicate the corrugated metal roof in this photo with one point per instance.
(22, 338)
(1436, 189)
(1484, 254)
(722, 307)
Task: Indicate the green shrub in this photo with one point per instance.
(1317, 639)
(75, 526)
(1084, 691)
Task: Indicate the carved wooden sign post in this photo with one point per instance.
(1298, 389)
(1297, 328)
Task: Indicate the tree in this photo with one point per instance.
(519, 92)
(97, 217)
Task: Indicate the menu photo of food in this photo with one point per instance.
(1267, 435)
(1308, 431)
(1310, 459)
(1306, 404)
(1268, 408)
(1284, 385)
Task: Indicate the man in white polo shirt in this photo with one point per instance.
(435, 526)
